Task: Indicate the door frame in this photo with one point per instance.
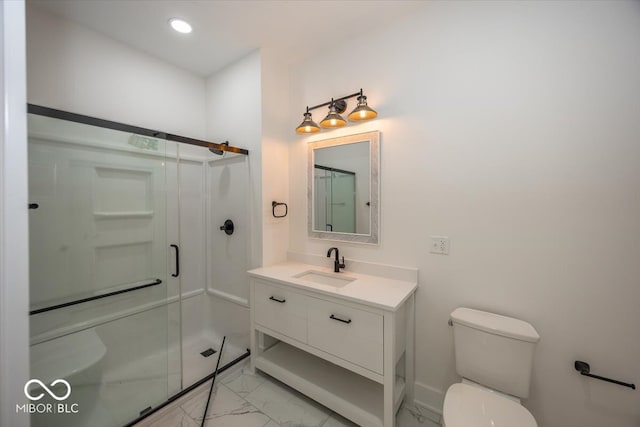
(14, 222)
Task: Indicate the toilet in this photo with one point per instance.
(494, 357)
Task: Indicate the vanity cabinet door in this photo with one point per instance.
(281, 310)
(349, 333)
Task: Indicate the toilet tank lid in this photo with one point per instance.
(495, 324)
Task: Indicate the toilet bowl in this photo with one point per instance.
(494, 356)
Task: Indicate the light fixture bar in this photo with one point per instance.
(336, 100)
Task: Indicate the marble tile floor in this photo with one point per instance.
(196, 366)
(243, 399)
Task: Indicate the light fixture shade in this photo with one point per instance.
(333, 119)
(362, 111)
(308, 125)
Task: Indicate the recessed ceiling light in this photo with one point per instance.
(180, 25)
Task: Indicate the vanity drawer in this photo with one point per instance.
(281, 310)
(348, 333)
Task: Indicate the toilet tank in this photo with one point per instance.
(494, 351)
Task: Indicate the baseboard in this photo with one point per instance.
(430, 399)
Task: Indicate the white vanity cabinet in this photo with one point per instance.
(282, 310)
(348, 347)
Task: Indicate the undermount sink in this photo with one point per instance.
(330, 279)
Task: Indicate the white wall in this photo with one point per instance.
(75, 69)
(512, 128)
(276, 131)
(14, 249)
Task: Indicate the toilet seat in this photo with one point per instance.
(469, 406)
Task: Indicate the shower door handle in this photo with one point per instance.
(177, 273)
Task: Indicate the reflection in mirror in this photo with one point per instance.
(343, 188)
(342, 196)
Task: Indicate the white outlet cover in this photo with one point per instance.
(440, 245)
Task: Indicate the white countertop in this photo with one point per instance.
(380, 292)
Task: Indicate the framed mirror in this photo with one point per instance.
(343, 188)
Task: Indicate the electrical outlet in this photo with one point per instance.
(440, 245)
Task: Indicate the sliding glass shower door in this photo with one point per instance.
(101, 319)
(334, 200)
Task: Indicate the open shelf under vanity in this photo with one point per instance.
(352, 395)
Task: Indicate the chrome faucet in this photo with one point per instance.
(337, 265)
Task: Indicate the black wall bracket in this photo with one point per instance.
(274, 204)
(585, 369)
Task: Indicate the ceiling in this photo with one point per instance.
(226, 30)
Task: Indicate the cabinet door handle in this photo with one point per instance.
(281, 301)
(339, 319)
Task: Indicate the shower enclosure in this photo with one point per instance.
(335, 199)
(123, 224)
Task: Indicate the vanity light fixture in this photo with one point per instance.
(308, 125)
(334, 119)
(180, 25)
(362, 111)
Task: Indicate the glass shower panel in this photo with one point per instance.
(173, 255)
(98, 280)
(322, 191)
(334, 200)
(228, 190)
(343, 206)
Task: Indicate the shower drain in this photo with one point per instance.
(208, 352)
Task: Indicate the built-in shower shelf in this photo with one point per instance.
(118, 215)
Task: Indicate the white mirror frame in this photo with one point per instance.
(373, 138)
